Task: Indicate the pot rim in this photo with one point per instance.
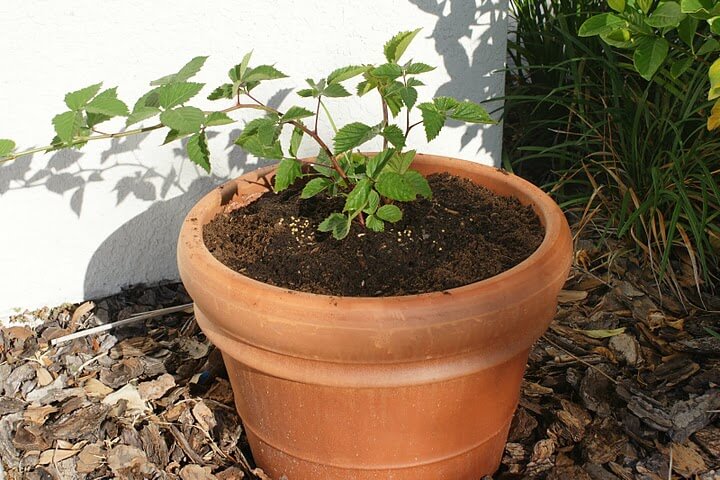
(549, 213)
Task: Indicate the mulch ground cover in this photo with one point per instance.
(624, 385)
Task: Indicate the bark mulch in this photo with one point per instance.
(624, 385)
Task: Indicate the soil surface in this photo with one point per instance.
(463, 235)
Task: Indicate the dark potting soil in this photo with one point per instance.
(464, 234)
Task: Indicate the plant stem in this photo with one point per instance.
(410, 127)
(330, 119)
(385, 119)
(317, 114)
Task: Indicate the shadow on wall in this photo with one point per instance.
(477, 75)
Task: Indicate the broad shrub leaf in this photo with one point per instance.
(417, 68)
(262, 72)
(400, 162)
(141, 113)
(6, 147)
(714, 76)
(315, 186)
(175, 94)
(374, 223)
(198, 152)
(295, 141)
(335, 91)
(408, 95)
(376, 164)
(394, 135)
(174, 135)
(470, 112)
(389, 213)
(397, 45)
(215, 119)
(338, 224)
(345, 73)
(188, 71)
(433, 120)
(650, 55)
(260, 137)
(395, 186)
(67, 125)
(353, 135)
(419, 183)
(387, 71)
(601, 25)
(287, 172)
(107, 103)
(373, 201)
(78, 99)
(713, 120)
(183, 119)
(223, 91)
(357, 198)
(296, 113)
(667, 14)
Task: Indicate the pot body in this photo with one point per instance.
(419, 387)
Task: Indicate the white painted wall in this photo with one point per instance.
(83, 224)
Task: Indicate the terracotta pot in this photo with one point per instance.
(411, 387)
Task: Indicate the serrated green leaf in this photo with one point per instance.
(667, 14)
(6, 147)
(338, 224)
(93, 119)
(400, 162)
(345, 73)
(444, 104)
(419, 183)
(353, 135)
(397, 45)
(198, 152)
(418, 68)
(223, 91)
(175, 94)
(183, 119)
(358, 197)
(376, 164)
(107, 103)
(335, 90)
(262, 72)
(389, 213)
(215, 119)
(374, 224)
(601, 25)
(141, 113)
(295, 141)
(408, 95)
(470, 112)
(364, 87)
(308, 92)
(617, 5)
(174, 135)
(260, 137)
(650, 55)
(189, 70)
(388, 71)
(433, 120)
(394, 186)
(287, 172)
(681, 66)
(67, 125)
(296, 113)
(414, 82)
(78, 99)
(242, 67)
(373, 201)
(315, 186)
(394, 135)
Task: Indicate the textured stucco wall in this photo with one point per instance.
(82, 224)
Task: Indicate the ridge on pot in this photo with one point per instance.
(411, 387)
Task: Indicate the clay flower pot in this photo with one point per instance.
(419, 387)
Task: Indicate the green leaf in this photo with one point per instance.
(345, 73)
(307, 92)
(444, 104)
(372, 202)
(601, 24)
(374, 224)
(644, 5)
(287, 172)
(394, 135)
(93, 119)
(408, 95)
(262, 72)
(6, 147)
(295, 140)
(175, 94)
(686, 30)
(198, 152)
(335, 91)
(242, 67)
(338, 224)
(67, 125)
(419, 183)
(395, 187)
(188, 71)
(711, 45)
(470, 112)
(215, 119)
(141, 113)
(376, 164)
(714, 76)
(365, 86)
(353, 135)
(618, 38)
(400, 162)
(696, 6)
(389, 71)
(358, 197)
(667, 14)
(174, 135)
(315, 186)
(617, 5)
(260, 137)
(681, 66)
(223, 91)
(389, 213)
(417, 68)
(107, 103)
(433, 120)
(78, 99)
(397, 45)
(650, 55)
(296, 113)
(183, 119)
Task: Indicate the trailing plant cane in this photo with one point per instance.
(370, 185)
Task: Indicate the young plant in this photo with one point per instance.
(370, 184)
